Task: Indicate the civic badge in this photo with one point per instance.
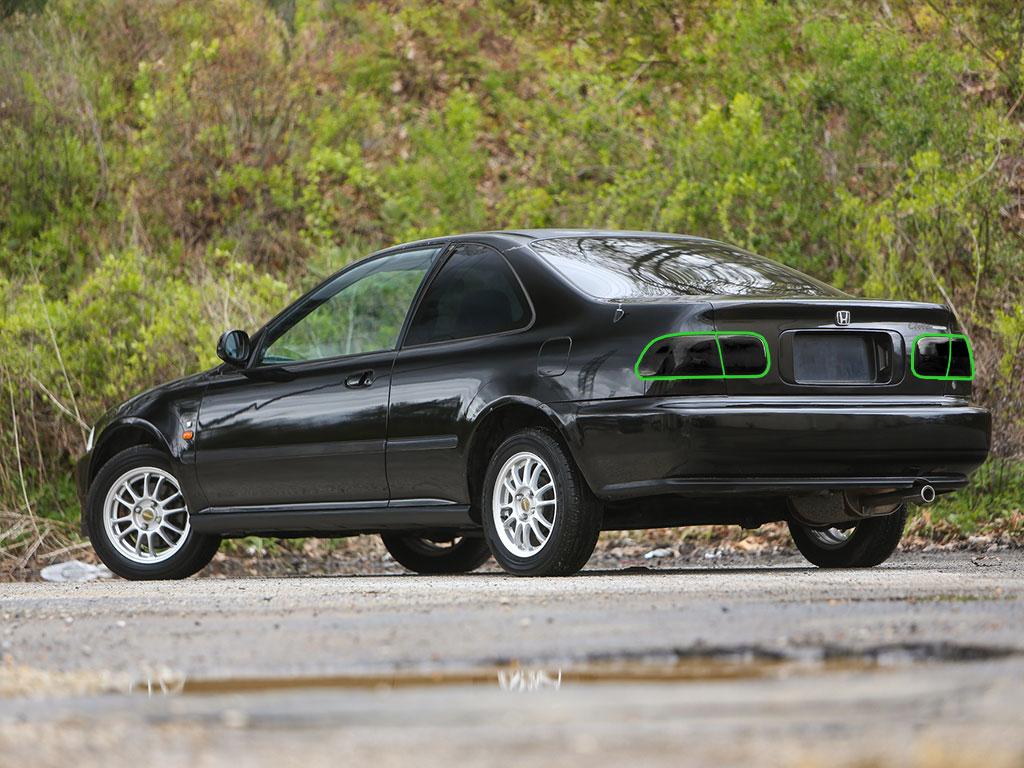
(843, 317)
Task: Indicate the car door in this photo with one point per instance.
(464, 347)
(306, 422)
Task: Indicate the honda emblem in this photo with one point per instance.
(843, 317)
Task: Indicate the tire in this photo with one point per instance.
(867, 543)
(138, 521)
(526, 538)
(425, 555)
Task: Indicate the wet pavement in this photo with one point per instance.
(918, 662)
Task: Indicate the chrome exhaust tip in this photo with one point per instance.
(927, 494)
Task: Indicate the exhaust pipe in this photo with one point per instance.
(921, 493)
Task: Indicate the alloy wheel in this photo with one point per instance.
(144, 515)
(524, 504)
(831, 538)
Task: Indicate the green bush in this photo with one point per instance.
(170, 170)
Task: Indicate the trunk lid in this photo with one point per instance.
(835, 346)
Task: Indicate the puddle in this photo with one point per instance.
(664, 666)
(520, 680)
(689, 665)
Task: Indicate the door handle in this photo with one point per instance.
(361, 379)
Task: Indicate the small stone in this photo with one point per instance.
(121, 623)
(526, 622)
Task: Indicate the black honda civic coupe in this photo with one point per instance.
(515, 393)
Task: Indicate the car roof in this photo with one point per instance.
(530, 235)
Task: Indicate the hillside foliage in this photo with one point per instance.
(170, 169)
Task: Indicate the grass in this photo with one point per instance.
(992, 505)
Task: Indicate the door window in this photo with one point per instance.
(476, 293)
(360, 311)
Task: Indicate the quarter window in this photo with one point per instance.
(361, 311)
(476, 293)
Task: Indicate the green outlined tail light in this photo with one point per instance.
(704, 355)
(945, 356)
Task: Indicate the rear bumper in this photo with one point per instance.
(704, 446)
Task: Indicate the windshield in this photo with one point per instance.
(610, 267)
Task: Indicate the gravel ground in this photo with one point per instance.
(737, 659)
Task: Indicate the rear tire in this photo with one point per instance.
(865, 544)
(424, 555)
(138, 521)
(540, 517)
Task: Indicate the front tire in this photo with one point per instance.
(427, 555)
(138, 521)
(867, 543)
(539, 516)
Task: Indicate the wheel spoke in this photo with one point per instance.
(522, 534)
(548, 486)
(543, 520)
(509, 521)
(535, 476)
(525, 469)
(535, 527)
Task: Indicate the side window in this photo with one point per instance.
(476, 293)
(360, 311)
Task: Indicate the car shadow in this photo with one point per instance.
(604, 572)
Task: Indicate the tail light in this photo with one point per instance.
(945, 356)
(704, 355)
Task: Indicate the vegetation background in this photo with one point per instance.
(173, 168)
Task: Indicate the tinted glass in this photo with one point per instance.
(360, 311)
(475, 294)
(931, 356)
(743, 355)
(960, 364)
(637, 267)
(682, 356)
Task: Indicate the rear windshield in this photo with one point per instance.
(639, 267)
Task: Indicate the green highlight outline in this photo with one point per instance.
(949, 362)
(721, 359)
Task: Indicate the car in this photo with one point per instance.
(513, 394)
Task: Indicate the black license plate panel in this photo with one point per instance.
(822, 357)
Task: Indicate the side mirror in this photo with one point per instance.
(233, 348)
